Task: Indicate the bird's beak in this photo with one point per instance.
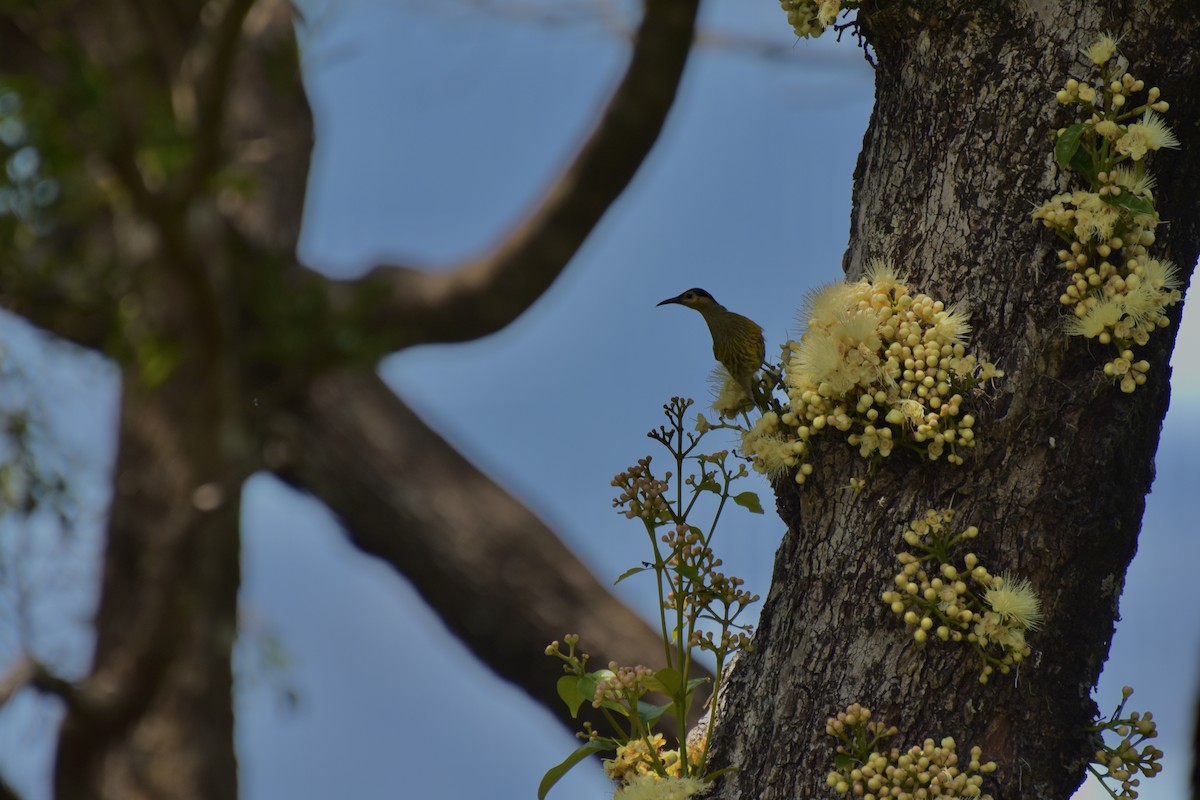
(674, 299)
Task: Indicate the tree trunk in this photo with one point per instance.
(154, 718)
(956, 156)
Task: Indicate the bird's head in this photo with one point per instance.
(694, 298)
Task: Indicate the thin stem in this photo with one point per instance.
(1101, 780)
(616, 725)
(660, 568)
(712, 529)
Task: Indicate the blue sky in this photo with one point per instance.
(438, 124)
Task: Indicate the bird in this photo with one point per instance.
(737, 341)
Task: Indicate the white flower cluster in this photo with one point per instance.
(931, 769)
(968, 603)
(1118, 293)
(810, 18)
(1121, 766)
(636, 763)
(879, 364)
(652, 787)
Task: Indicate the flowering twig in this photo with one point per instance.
(1121, 764)
(699, 608)
(1117, 292)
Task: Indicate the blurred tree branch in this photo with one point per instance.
(483, 295)
(357, 447)
(194, 290)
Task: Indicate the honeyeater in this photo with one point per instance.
(737, 341)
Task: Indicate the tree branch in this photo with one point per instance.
(7, 792)
(19, 675)
(217, 54)
(28, 672)
(499, 578)
(163, 33)
(482, 296)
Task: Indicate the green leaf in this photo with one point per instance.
(1082, 164)
(629, 573)
(586, 684)
(1138, 205)
(708, 485)
(568, 690)
(688, 571)
(649, 712)
(669, 681)
(749, 501)
(613, 705)
(554, 774)
(1068, 144)
(694, 682)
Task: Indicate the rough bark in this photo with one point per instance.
(955, 158)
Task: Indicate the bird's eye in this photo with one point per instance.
(690, 296)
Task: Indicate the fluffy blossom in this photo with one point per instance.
(804, 18)
(1139, 185)
(827, 11)
(652, 787)
(879, 364)
(810, 18)
(773, 452)
(1095, 320)
(951, 325)
(633, 759)
(1118, 294)
(934, 595)
(996, 630)
(1101, 50)
(730, 398)
(1094, 218)
(1142, 137)
(1016, 602)
(1161, 274)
